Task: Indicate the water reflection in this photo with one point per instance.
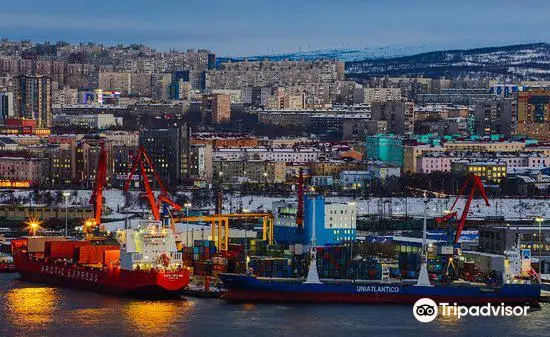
(450, 318)
(90, 316)
(155, 317)
(31, 307)
(249, 306)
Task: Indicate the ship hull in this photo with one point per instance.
(243, 288)
(7, 268)
(105, 280)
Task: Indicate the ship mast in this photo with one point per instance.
(312, 274)
(423, 277)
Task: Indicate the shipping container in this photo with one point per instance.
(270, 267)
(111, 257)
(203, 268)
(18, 244)
(203, 250)
(62, 249)
(92, 254)
(37, 244)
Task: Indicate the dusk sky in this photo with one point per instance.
(257, 27)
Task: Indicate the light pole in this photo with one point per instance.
(187, 206)
(245, 241)
(540, 220)
(66, 195)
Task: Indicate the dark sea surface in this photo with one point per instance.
(32, 309)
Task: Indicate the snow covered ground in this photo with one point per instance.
(511, 209)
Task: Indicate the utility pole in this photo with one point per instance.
(66, 195)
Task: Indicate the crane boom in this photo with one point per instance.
(476, 185)
(149, 192)
(140, 159)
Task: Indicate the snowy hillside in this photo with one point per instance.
(526, 62)
(344, 54)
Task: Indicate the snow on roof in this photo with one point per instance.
(265, 149)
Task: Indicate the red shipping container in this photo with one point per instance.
(92, 254)
(111, 257)
(62, 249)
(17, 245)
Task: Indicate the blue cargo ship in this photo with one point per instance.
(249, 288)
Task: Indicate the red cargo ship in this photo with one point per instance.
(146, 263)
(113, 280)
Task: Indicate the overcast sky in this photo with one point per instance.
(257, 27)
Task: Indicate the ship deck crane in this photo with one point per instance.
(140, 159)
(100, 180)
(475, 184)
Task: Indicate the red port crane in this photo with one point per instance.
(140, 159)
(475, 184)
(100, 180)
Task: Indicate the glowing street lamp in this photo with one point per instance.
(89, 224)
(540, 220)
(33, 225)
(187, 207)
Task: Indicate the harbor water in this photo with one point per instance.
(31, 309)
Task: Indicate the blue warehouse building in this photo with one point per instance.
(335, 223)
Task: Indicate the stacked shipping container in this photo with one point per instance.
(203, 250)
(270, 267)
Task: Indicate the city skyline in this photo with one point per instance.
(249, 28)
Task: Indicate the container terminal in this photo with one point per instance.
(298, 250)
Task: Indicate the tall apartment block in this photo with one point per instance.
(33, 99)
(534, 113)
(216, 108)
(496, 116)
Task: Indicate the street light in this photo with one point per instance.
(89, 225)
(187, 206)
(540, 220)
(66, 195)
(33, 225)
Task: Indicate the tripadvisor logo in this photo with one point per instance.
(426, 310)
